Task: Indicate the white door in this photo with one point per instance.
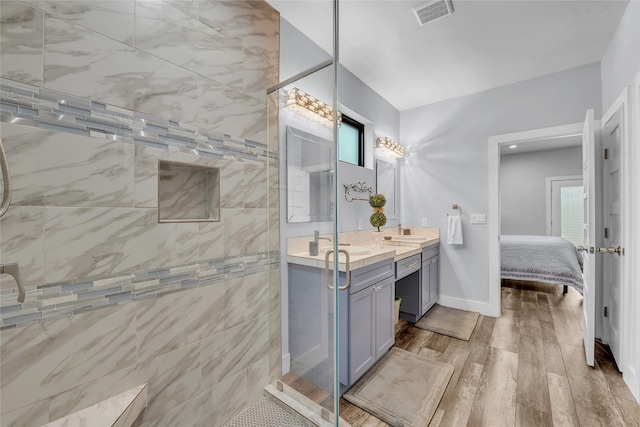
(588, 254)
(613, 222)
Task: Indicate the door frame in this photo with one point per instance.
(548, 183)
(623, 103)
(632, 378)
(493, 217)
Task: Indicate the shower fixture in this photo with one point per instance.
(6, 179)
(12, 269)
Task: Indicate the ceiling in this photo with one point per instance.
(542, 144)
(482, 45)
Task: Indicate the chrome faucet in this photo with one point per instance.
(313, 245)
(316, 237)
(403, 231)
(13, 269)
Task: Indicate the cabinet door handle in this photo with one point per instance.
(412, 264)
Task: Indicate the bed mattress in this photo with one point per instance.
(548, 259)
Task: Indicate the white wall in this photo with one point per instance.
(621, 60)
(620, 65)
(523, 187)
(447, 160)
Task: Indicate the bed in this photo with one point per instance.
(548, 259)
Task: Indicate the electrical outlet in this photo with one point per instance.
(360, 225)
(425, 222)
(478, 218)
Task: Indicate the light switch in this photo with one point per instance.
(478, 219)
(360, 224)
(425, 223)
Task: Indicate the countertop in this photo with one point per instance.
(397, 248)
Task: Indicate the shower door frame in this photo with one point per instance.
(333, 282)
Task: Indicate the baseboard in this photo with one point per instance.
(630, 377)
(483, 308)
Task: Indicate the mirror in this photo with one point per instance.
(309, 177)
(387, 185)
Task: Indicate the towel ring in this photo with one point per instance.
(456, 206)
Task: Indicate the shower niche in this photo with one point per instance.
(188, 193)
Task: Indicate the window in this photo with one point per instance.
(351, 136)
(571, 214)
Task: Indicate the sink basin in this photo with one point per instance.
(409, 237)
(353, 250)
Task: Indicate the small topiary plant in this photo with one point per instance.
(378, 219)
(377, 201)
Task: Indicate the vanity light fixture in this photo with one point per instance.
(308, 106)
(390, 146)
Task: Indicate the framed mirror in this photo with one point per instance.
(387, 185)
(310, 195)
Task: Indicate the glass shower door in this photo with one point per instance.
(303, 139)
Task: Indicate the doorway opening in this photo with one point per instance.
(497, 145)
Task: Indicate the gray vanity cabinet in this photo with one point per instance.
(430, 282)
(385, 331)
(366, 328)
(371, 326)
(361, 333)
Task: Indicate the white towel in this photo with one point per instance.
(454, 235)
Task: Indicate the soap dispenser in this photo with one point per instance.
(313, 248)
(313, 245)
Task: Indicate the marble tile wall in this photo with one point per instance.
(93, 94)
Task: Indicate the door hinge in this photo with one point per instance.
(606, 312)
(606, 153)
(606, 232)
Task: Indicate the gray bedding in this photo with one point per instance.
(548, 259)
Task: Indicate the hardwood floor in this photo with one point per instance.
(524, 369)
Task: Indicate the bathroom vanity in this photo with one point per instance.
(366, 329)
(366, 321)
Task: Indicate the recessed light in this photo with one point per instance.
(513, 146)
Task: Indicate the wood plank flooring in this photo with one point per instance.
(524, 369)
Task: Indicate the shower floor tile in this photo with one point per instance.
(264, 413)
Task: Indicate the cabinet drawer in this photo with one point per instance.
(430, 252)
(367, 276)
(407, 266)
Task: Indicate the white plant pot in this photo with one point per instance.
(397, 310)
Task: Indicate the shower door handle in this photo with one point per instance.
(326, 271)
(347, 281)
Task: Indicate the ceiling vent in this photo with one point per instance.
(432, 10)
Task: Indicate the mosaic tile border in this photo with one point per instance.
(38, 107)
(58, 300)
